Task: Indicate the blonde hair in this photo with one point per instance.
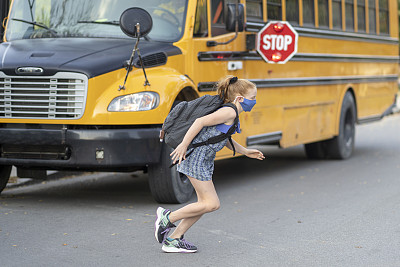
(228, 88)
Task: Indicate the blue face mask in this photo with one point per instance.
(247, 104)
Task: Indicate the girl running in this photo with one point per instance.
(199, 166)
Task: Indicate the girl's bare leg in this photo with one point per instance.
(207, 201)
(183, 226)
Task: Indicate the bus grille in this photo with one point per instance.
(61, 96)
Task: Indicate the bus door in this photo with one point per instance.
(211, 63)
(4, 7)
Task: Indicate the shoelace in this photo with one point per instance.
(165, 233)
(186, 243)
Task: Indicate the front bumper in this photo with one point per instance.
(65, 148)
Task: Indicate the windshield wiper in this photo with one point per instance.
(36, 24)
(114, 22)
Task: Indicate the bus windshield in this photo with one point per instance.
(31, 19)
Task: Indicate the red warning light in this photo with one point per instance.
(276, 57)
(278, 27)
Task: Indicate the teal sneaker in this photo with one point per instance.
(178, 245)
(162, 226)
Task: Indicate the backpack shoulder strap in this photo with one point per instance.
(233, 147)
(234, 125)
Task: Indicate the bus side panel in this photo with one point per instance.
(307, 124)
(313, 118)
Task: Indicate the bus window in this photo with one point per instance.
(361, 15)
(323, 13)
(349, 11)
(200, 23)
(292, 11)
(372, 16)
(308, 13)
(274, 9)
(254, 10)
(337, 14)
(383, 17)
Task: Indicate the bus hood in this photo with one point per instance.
(90, 56)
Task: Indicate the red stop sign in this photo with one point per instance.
(277, 42)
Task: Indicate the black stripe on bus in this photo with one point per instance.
(264, 139)
(307, 81)
(310, 57)
(331, 34)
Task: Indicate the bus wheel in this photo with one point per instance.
(316, 150)
(167, 185)
(5, 172)
(341, 146)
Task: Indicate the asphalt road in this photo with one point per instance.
(284, 211)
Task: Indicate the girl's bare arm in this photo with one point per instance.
(251, 153)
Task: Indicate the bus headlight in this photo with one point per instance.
(135, 102)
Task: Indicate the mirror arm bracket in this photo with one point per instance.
(215, 43)
(146, 82)
(129, 68)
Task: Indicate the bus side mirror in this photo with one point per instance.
(131, 18)
(135, 22)
(233, 16)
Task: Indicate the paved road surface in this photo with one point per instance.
(285, 211)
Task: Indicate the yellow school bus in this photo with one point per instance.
(63, 64)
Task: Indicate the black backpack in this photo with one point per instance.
(185, 113)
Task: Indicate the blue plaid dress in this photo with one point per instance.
(200, 164)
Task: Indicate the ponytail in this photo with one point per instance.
(222, 87)
(230, 86)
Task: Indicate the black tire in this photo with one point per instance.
(167, 185)
(316, 150)
(5, 172)
(341, 146)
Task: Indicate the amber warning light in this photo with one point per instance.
(277, 42)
